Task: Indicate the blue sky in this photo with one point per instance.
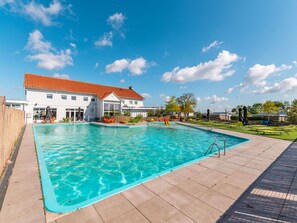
(225, 52)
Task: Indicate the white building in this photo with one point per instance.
(66, 98)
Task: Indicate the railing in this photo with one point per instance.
(210, 148)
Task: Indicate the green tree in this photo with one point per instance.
(187, 103)
(269, 107)
(279, 104)
(150, 113)
(286, 106)
(172, 105)
(256, 108)
(292, 114)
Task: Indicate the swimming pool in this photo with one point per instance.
(83, 163)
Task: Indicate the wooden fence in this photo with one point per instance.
(11, 123)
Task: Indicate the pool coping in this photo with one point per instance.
(48, 192)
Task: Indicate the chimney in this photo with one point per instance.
(130, 88)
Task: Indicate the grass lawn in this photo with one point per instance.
(290, 136)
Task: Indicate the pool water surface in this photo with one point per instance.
(83, 163)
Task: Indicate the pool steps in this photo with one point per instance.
(218, 147)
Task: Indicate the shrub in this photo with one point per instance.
(127, 114)
(67, 120)
(150, 113)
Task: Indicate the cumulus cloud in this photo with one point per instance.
(4, 2)
(165, 97)
(213, 70)
(106, 40)
(198, 99)
(38, 12)
(96, 65)
(214, 44)
(47, 57)
(257, 75)
(116, 20)
(146, 95)
(285, 86)
(73, 45)
(215, 99)
(62, 76)
(122, 81)
(135, 67)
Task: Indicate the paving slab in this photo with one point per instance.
(23, 201)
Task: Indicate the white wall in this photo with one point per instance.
(38, 99)
(127, 102)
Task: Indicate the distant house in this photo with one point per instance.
(279, 117)
(67, 98)
(220, 115)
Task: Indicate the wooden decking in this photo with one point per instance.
(273, 197)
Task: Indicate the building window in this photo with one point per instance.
(131, 102)
(73, 98)
(111, 109)
(86, 98)
(135, 102)
(93, 99)
(40, 113)
(64, 97)
(75, 114)
(49, 96)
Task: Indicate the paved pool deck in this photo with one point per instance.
(206, 191)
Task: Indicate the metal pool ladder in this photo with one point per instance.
(210, 148)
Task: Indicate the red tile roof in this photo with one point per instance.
(34, 81)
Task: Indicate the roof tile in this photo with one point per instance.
(51, 83)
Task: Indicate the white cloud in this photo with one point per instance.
(198, 99)
(4, 2)
(285, 86)
(116, 20)
(96, 65)
(166, 54)
(216, 70)
(122, 81)
(38, 12)
(37, 44)
(257, 75)
(73, 45)
(183, 87)
(231, 89)
(165, 97)
(146, 95)
(62, 76)
(106, 40)
(135, 67)
(117, 66)
(215, 99)
(46, 55)
(214, 44)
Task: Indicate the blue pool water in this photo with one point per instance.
(83, 163)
